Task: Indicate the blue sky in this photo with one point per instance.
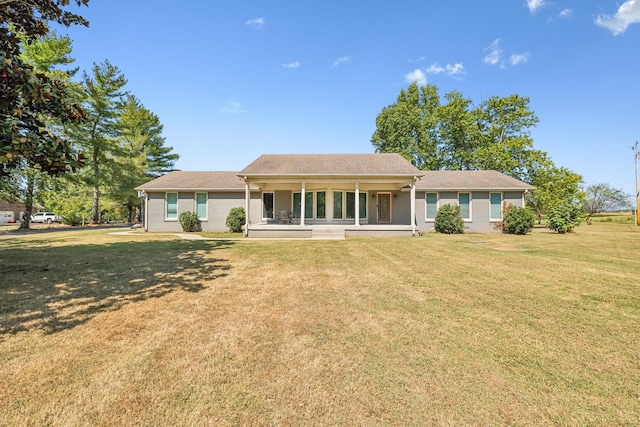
(231, 80)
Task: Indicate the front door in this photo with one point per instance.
(384, 207)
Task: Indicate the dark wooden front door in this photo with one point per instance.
(384, 207)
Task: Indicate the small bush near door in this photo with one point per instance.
(236, 219)
(448, 220)
(189, 222)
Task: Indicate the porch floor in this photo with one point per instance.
(320, 231)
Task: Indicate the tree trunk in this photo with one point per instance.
(28, 202)
(95, 209)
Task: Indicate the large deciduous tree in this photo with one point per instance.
(458, 135)
(28, 97)
(410, 127)
(555, 186)
(602, 197)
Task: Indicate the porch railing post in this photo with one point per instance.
(302, 204)
(247, 200)
(357, 215)
(413, 206)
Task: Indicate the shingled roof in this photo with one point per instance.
(187, 180)
(470, 180)
(383, 164)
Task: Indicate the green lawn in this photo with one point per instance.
(474, 329)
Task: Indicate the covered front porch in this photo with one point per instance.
(361, 207)
(355, 194)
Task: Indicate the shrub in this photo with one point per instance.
(448, 220)
(564, 218)
(236, 219)
(518, 220)
(189, 222)
(72, 219)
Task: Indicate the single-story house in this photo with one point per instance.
(302, 195)
(13, 210)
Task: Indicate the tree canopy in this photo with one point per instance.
(28, 98)
(602, 197)
(457, 135)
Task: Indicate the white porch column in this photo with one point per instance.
(413, 206)
(302, 204)
(247, 203)
(357, 203)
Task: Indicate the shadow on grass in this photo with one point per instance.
(57, 288)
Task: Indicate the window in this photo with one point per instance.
(464, 200)
(337, 205)
(297, 205)
(363, 204)
(201, 205)
(496, 206)
(321, 205)
(431, 200)
(267, 205)
(351, 205)
(308, 204)
(172, 206)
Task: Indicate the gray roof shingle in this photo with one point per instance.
(469, 180)
(188, 180)
(382, 164)
(328, 165)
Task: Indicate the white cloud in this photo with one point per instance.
(628, 13)
(534, 5)
(341, 60)
(416, 76)
(292, 65)
(233, 108)
(566, 13)
(257, 22)
(449, 70)
(518, 58)
(435, 69)
(493, 57)
(455, 69)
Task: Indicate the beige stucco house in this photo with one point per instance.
(306, 195)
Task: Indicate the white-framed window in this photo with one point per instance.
(337, 204)
(171, 206)
(350, 205)
(201, 205)
(495, 202)
(268, 199)
(344, 204)
(321, 205)
(431, 206)
(308, 204)
(464, 200)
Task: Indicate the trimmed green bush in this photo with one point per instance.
(564, 218)
(518, 220)
(189, 222)
(236, 219)
(448, 220)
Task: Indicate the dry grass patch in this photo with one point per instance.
(444, 330)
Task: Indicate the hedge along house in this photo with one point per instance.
(307, 195)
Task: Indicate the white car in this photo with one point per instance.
(48, 217)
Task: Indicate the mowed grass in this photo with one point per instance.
(102, 329)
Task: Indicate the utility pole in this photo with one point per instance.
(636, 155)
